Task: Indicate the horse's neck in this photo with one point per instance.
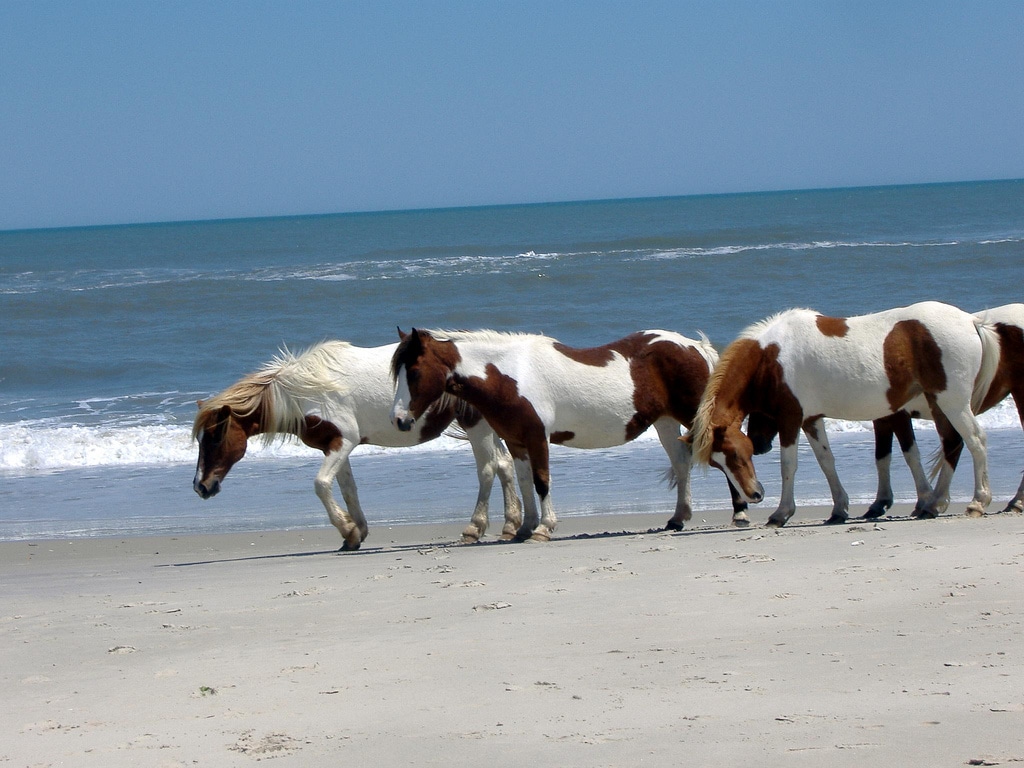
(743, 385)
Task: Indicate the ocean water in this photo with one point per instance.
(108, 335)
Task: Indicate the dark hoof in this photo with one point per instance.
(671, 525)
(875, 511)
(924, 514)
(346, 547)
(836, 520)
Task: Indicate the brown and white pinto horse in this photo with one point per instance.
(333, 397)
(1009, 380)
(533, 389)
(800, 366)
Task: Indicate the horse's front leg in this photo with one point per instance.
(492, 459)
(816, 436)
(787, 500)
(335, 465)
(537, 469)
(531, 517)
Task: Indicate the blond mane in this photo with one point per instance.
(283, 389)
(702, 430)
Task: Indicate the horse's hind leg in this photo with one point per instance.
(492, 458)
(900, 425)
(1016, 504)
(815, 431)
(679, 455)
(956, 430)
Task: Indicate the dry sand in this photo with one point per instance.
(894, 644)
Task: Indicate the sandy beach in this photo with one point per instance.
(895, 643)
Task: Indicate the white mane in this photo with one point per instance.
(756, 330)
(483, 335)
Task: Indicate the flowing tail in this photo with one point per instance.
(990, 358)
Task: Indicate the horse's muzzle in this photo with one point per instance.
(404, 424)
(205, 491)
(758, 495)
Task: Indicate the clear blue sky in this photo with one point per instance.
(117, 112)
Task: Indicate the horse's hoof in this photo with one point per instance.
(836, 520)
(1013, 508)
(875, 511)
(741, 522)
(672, 525)
(350, 547)
(540, 536)
(468, 539)
(924, 514)
(773, 523)
(973, 511)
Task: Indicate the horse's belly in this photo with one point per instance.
(849, 406)
(595, 431)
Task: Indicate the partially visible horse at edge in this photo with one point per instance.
(1009, 380)
(797, 367)
(333, 397)
(534, 390)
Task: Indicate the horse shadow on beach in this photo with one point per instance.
(426, 547)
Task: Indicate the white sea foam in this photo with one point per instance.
(48, 445)
(37, 446)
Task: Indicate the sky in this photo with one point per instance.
(127, 112)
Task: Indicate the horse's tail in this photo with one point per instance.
(707, 350)
(990, 356)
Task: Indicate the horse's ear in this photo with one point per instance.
(401, 334)
(224, 414)
(199, 404)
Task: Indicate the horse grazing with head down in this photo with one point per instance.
(333, 397)
(797, 367)
(533, 389)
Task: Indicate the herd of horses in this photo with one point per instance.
(513, 394)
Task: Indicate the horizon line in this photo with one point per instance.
(485, 206)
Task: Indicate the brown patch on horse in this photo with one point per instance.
(1009, 377)
(321, 435)
(667, 379)
(558, 438)
(511, 415)
(595, 356)
(832, 326)
(913, 363)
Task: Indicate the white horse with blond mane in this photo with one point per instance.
(334, 397)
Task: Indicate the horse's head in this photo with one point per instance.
(222, 439)
(733, 453)
(420, 367)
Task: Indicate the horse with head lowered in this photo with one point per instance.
(334, 397)
(798, 367)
